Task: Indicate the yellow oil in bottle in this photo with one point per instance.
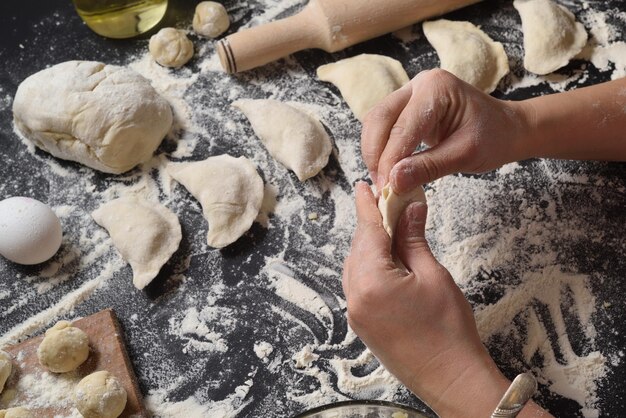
(121, 18)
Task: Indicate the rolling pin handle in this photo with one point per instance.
(259, 45)
(227, 59)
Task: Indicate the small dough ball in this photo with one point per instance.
(5, 368)
(18, 412)
(170, 47)
(100, 395)
(64, 348)
(211, 19)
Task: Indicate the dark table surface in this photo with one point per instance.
(36, 34)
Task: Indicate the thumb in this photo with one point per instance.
(424, 167)
(410, 240)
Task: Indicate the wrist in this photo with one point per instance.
(469, 386)
(526, 135)
(461, 384)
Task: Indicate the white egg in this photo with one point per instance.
(30, 232)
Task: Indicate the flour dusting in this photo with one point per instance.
(218, 331)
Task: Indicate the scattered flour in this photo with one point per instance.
(520, 256)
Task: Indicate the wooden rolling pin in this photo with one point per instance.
(330, 25)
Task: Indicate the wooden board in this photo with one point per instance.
(107, 352)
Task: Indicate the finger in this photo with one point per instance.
(448, 157)
(345, 278)
(420, 119)
(377, 125)
(410, 239)
(371, 241)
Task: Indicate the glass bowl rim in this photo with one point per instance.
(331, 406)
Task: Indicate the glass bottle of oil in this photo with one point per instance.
(121, 18)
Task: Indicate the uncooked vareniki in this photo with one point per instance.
(5, 368)
(103, 116)
(18, 412)
(364, 80)
(391, 205)
(552, 37)
(468, 53)
(145, 233)
(230, 191)
(295, 138)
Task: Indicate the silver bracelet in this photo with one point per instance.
(516, 396)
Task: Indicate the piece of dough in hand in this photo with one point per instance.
(364, 80)
(552, 36)
(6, 366)
(106, 117)
(63, 348)
(145, 233)
(392, 205)
(100, 395)
(170, 47)
(468, 53)
(295, 138)
(230, 191)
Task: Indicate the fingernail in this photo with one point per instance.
(415, 223)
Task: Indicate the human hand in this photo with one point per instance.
(468, 131)
(415, 320)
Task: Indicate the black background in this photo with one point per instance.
(604, 262)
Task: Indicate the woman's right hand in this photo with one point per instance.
(467, 130)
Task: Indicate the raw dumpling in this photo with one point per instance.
(364, 80)
(295, 138)
(5, 368)
(145, 233)
(18, 412)
(230, 191)
(392, 205)
(106, 117)
(552, 36)
(468, 53)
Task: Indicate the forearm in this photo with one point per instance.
(583, 124)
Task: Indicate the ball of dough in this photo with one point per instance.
(211, 19)
(18, 412)
(64, 348)
(170, 47)
(100, 395)
(5, 368)
(103, 116)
